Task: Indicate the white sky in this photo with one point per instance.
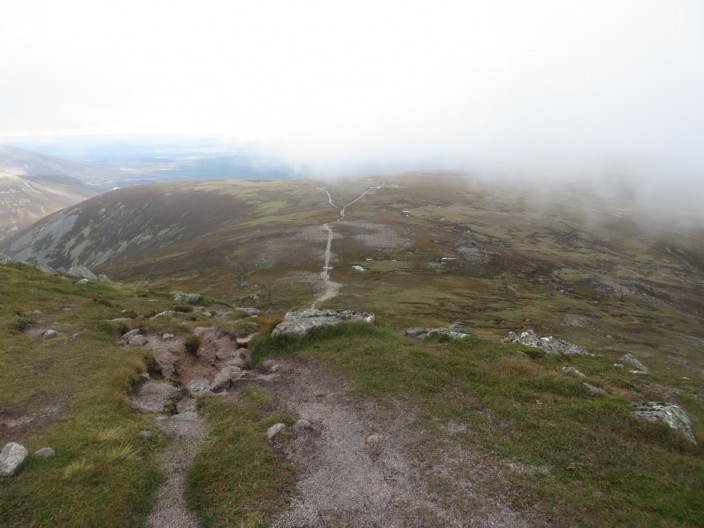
(561, 83)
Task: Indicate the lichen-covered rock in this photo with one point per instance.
(12, 457)
(187, 297)
(549, 344)
(300, 322)
(669, 413)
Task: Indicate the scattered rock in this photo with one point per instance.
(595, 390)
(82, 272)
(618, 366)
(120, 320)
(187, 297)
(373, 439)
(83, 281)
(103, 278)
(45, 452)
(12, 457)
(5, 259)
(549, 344)
(302, 424)
(300, 322)
(572, 370)
(46, 269)
(274, 430)
(167, 336)
(127, 335)
(244, 341)
(249, 311)
(187, 416)
(225, 354)
(631, 360)
(223, 379)
(669, 413)
(198, 386)
(137, 340)
(166, 368)
(200, 330)
(359, 268)
(50, 334)
(167, 313)
(415, 331)
(267, 366)
(457, 330)
(146, 434)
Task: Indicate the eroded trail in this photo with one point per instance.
(357, 468)
(331, 288)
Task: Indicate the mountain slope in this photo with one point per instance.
(26, 199)
(414, 250)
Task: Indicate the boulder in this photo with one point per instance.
(12, 457)
(50, 334)
(300, 322)
(103, 278)
(549, 344)
(81, 272)
(302, 424)
(83, 281)
(669, 413)
(633, 361)
(187, 297)
(167, 313)
(167, 336)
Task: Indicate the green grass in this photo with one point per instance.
(605, 468)
(75, 388)
(238, 479)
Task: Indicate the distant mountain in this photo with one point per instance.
(21, 162)
(26, 199)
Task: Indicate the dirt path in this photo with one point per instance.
(331, 288)
(356, 470)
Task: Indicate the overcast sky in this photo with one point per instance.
(560, 83)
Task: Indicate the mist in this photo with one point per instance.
(546, 92)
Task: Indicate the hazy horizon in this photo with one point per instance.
(554, 89)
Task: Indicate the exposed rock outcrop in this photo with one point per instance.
(81, 272)
(549, 344)
(669, 413)
(300, 322)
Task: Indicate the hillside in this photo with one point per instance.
(354, 425)
(427, 250)
(24, 199)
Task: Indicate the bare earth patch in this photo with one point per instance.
(356, 466)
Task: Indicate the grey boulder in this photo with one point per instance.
(12, 457)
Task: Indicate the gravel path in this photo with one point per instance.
(355, 470)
